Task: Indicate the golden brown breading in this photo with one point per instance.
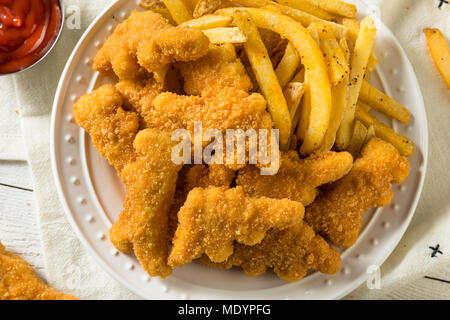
(213, 218)
(227, 109)
(297, 178)
(19, 282)
(147, 39)
(138, 95)
(150, 183)
(197, 176)
(219, 69)
(111, 128)
(338, 211)
(291, 253)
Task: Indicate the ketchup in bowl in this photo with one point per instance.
(28, 29)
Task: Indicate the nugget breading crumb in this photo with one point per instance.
(337, 213)
(212, 219)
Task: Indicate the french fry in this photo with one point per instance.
(159, 7)
(402, 143)
(191, 4)
(307, 7)
(206, 6)
(300, 76)
(304, 18)
(179, 12)
(370, 134)
(209, 21)
(317, 81)
(339, 96)
(334, 6)
(225, 35)
(265, 75)
(338, 67)
(360, 58)
(293, 94)
(364, 106)
(358, 138)
(383, 103)
(440, 52)
(352, 27)
(287, 66)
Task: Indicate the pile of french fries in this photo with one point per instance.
(318, 89)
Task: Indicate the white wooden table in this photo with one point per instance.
(19, 232)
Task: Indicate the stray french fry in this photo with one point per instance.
(179, 12)
(307, 7)
(206, 6)
(209, 21)
(358, 138)
(360, 58)
(402, 143)
(440, 52)
(304, 18)
(225, 35)
(287, 66)
(265, 75)
(383, 103)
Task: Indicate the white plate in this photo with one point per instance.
(92, 194)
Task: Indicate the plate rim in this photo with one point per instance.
(76, 228)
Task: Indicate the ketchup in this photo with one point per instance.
(28, 29)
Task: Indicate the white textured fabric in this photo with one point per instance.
(11, 142)
(410, 260)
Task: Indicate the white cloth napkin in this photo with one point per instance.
(11, 142)
(64, 254)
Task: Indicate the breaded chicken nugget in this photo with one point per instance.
(220, 68)
(291, 253)
(197, 176)
(111, 128)
(148, 40)
(150, 185)
(297, 179)
(337, 213)
(139, 95)
(19, 282)
(226, 109)
(213, 218)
